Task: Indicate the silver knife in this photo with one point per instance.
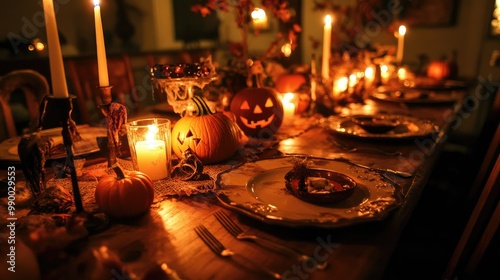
(399, 173)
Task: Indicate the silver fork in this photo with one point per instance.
(238, 232)
(222, 251)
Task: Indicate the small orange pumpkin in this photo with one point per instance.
(124, 195)
(289, 82)
(213, 137)
(439, 70)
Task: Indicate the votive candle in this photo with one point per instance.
(151, 158)
(288, 107)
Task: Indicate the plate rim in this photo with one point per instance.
(382, 93)
(280, 221)
(340, 119)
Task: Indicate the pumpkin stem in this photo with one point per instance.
(202, 107)
(118, 171)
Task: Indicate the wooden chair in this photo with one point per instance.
(33, 86)
(484, 220)
(84, 78)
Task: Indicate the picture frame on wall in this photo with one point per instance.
(429, 13)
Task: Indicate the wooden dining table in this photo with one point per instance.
(359, 250)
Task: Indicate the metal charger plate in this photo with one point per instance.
(409, 127)
(257, 189)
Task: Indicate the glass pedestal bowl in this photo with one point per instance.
(179, 81)
(179, 91)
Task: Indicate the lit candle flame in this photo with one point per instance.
(328, 20)
(96, 2)
(370, 73)
(257, 14)
(152, 131)
(287, 97)
(402, 30)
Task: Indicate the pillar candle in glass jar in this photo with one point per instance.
(149, 142)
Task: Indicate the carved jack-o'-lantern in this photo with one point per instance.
(258, 111)
(213, 137)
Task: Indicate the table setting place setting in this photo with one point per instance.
(282, 163)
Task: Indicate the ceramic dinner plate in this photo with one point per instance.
(430, 84)
(88, 144)
(416, 96)
(257, 189)
(408, 128)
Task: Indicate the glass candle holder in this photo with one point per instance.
(150, 146)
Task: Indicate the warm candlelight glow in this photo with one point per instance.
(369, 76)
(402, 30)
(286, 49)
(101, 50)
(402, 75)
(370, 73)
(151, 153)
(327, 35)
(58, 76)
(259, 19)
(384, 73)
(340, 85)
(401, 40)
(39, 46)
(150, 146)
(353, 80)
(288, 106)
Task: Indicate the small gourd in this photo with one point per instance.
(212, 137)
(124, 195)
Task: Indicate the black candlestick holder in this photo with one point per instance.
(69, 131)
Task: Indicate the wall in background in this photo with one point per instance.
(467, 37)
(153, 30)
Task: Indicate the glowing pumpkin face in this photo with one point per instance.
(258, 111)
